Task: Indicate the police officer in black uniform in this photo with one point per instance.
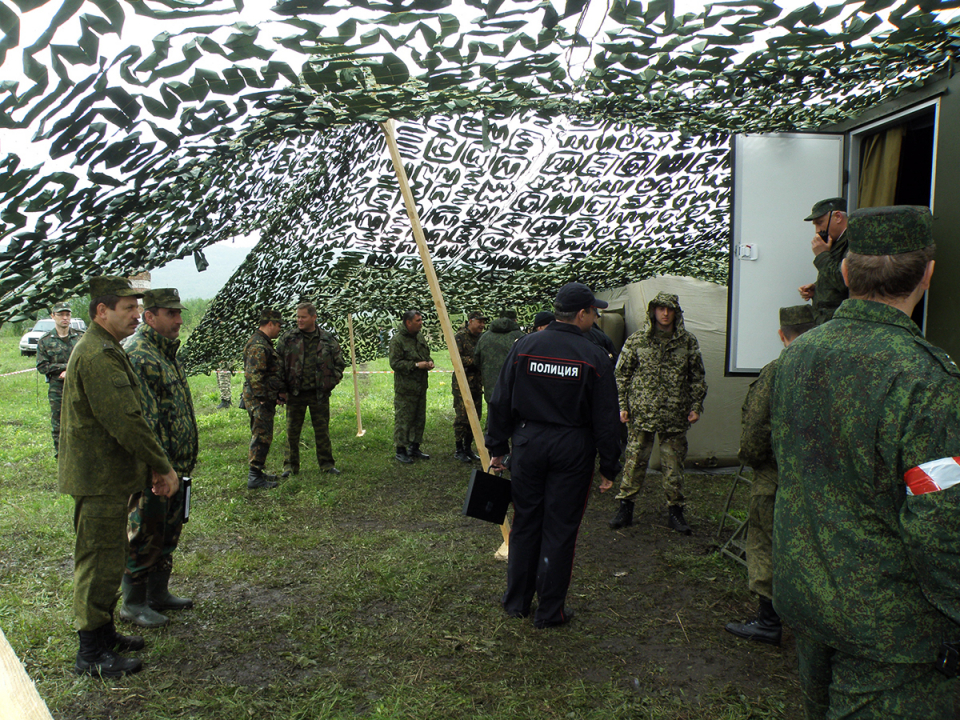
(557, 399)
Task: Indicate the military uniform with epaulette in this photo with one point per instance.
(263, 384)
(407, 350)
(53, 352)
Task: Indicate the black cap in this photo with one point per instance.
(576, 296)
(544, 317)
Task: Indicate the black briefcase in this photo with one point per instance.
(487, 497)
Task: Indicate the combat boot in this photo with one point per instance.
(224, 404)
(765, 628)
(113, 640)
(624, 516)
(258, 479)
(95, 658)
(676, 521)
(159, 596)
(402, 455)
(416, 453)
(461, 454)
(135, 608)
(468, 451)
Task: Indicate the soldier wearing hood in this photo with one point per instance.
(661, 383)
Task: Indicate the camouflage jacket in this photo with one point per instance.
(262, 371)
(830, 290)
(406, 351)
(106, 445)
(492, 349)
(660, 382)
(165, 396)
(53, 352)
(861, 566)
(756, 448)
(466, 345)
(330, 363)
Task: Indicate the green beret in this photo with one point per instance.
(824, 206)
(163, 298)
(60, 307)
(890, 230)
(268, 315)
(106, 285)
(796, 315)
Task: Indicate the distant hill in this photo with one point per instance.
(224, 259)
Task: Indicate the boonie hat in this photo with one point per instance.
(824, 206)
(890, 230)
(544, 317)
(796, 315)
(112, 285)
(163, 298)
(268, 315)
(576, 296)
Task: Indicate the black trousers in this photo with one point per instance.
(551, 469)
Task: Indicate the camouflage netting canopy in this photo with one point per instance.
(538, 150)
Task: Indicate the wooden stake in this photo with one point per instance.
(356, 387)
(19, 699)
(411, 205)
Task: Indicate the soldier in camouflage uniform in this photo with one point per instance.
(224, 378)
(756, 451)
(411, 363)
(53, 352)
(866, 431)
(493, 348)
(660, 379)
(313, 366)
(829, 244)
(108, 452)
(466, 339)
(155, 522)
(263, 390)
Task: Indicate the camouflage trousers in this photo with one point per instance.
(461, 422)
(319, 404)
(837, 686)
(763, 493)
(261, 431)
(409, 418)
(100, 522)
(673, 452)
(224, 377)
(55, 396)
(153, 529)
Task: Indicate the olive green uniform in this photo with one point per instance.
(466, 345)
(830, 289)
(409, 386)
(53, 352)
(107, 453)
(263, 383)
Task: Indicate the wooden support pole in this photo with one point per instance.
(411, 205)
(356, 387)
(19, 699)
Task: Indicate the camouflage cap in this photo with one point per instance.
(890, 230)
(824, 206)
(476, 315)
(796, 315)
(106, 285)
(268, 315)
(60, 307)
(163, 298)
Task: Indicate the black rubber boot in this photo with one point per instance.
(624, 516)
(402, 455)
(676, 521)
(461, 454)
(95, 658)
(159, 596)
(258, 479)
(135, 608)
(765, 628)
(416, 453)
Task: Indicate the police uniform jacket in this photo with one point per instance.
(557, 377)
(106, 445)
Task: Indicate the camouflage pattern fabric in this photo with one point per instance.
(328, 363)
(154, 523)
(466, 345)
(224, 378)
(673, 453)
(830, 290)
(492, 349)
(838, 685)
(261, 432)
(856, 403)
(890, 230)
(660, 378)
(318, 402)
(262, 369)
(53, 352)
(409, 386)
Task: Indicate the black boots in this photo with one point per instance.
(415, 452)
(468, 451)
(765, 628)
(402, 455)
(461, 453)
(96, 656)
(159, 596)
(676, 521)
(624, 516)
(258, 479)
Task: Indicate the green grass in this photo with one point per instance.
(369, 595)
